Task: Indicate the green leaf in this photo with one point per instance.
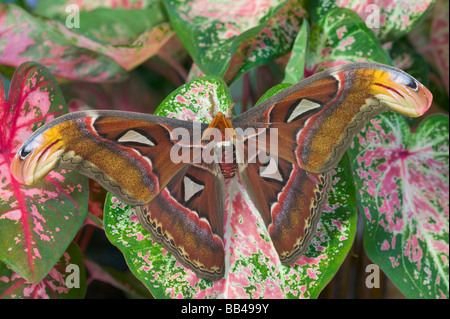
(24, 37)
(387, 19)
(37, 222)
(212, 33)
(192, 101)
(296, 64)
(273, 41)
(403, 183)
(120, 26)
(341, 37)
(57, 8)
(274, 90)
(67, 280)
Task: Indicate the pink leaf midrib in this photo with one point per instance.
(24, 221)
(15, 185)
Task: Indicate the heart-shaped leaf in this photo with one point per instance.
(37, 222)
(67, 280)
(253, 266)
(86, 51)
(403, 194)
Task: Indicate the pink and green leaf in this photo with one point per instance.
(218, 31)
(57, 8)
(128, 36)
(439, 40)
(66, 280)
(274, 40)
(37, 222)
(403, 183)
(430, 40)
(253, 267)
(192, 101)
(341, 36)
(389, 20)
(24, 37)
(87, 53)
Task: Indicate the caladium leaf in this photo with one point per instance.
(403, 183)
(120, 26)
(274, 40)
(128, 56)
(24, 37)
(192, 101)
(37, 222)
(296, 64)
(253, 266)
(389, 20)
(71, 53)
(341, 36)
(66, 280)
(126, 35)
(216, 31)
(57, 8)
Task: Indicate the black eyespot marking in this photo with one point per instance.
(24, 153)
(412, 84)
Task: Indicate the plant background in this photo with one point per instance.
(131, 55)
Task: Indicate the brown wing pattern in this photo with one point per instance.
(318, 118)
(127, 153)
(290, 200)
(181, 201)
(187, 219)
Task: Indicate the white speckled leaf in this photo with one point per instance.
(403, 194)
(250, 32)
(389, 20)
(54, 285)
(341, 36)
(39, 221)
